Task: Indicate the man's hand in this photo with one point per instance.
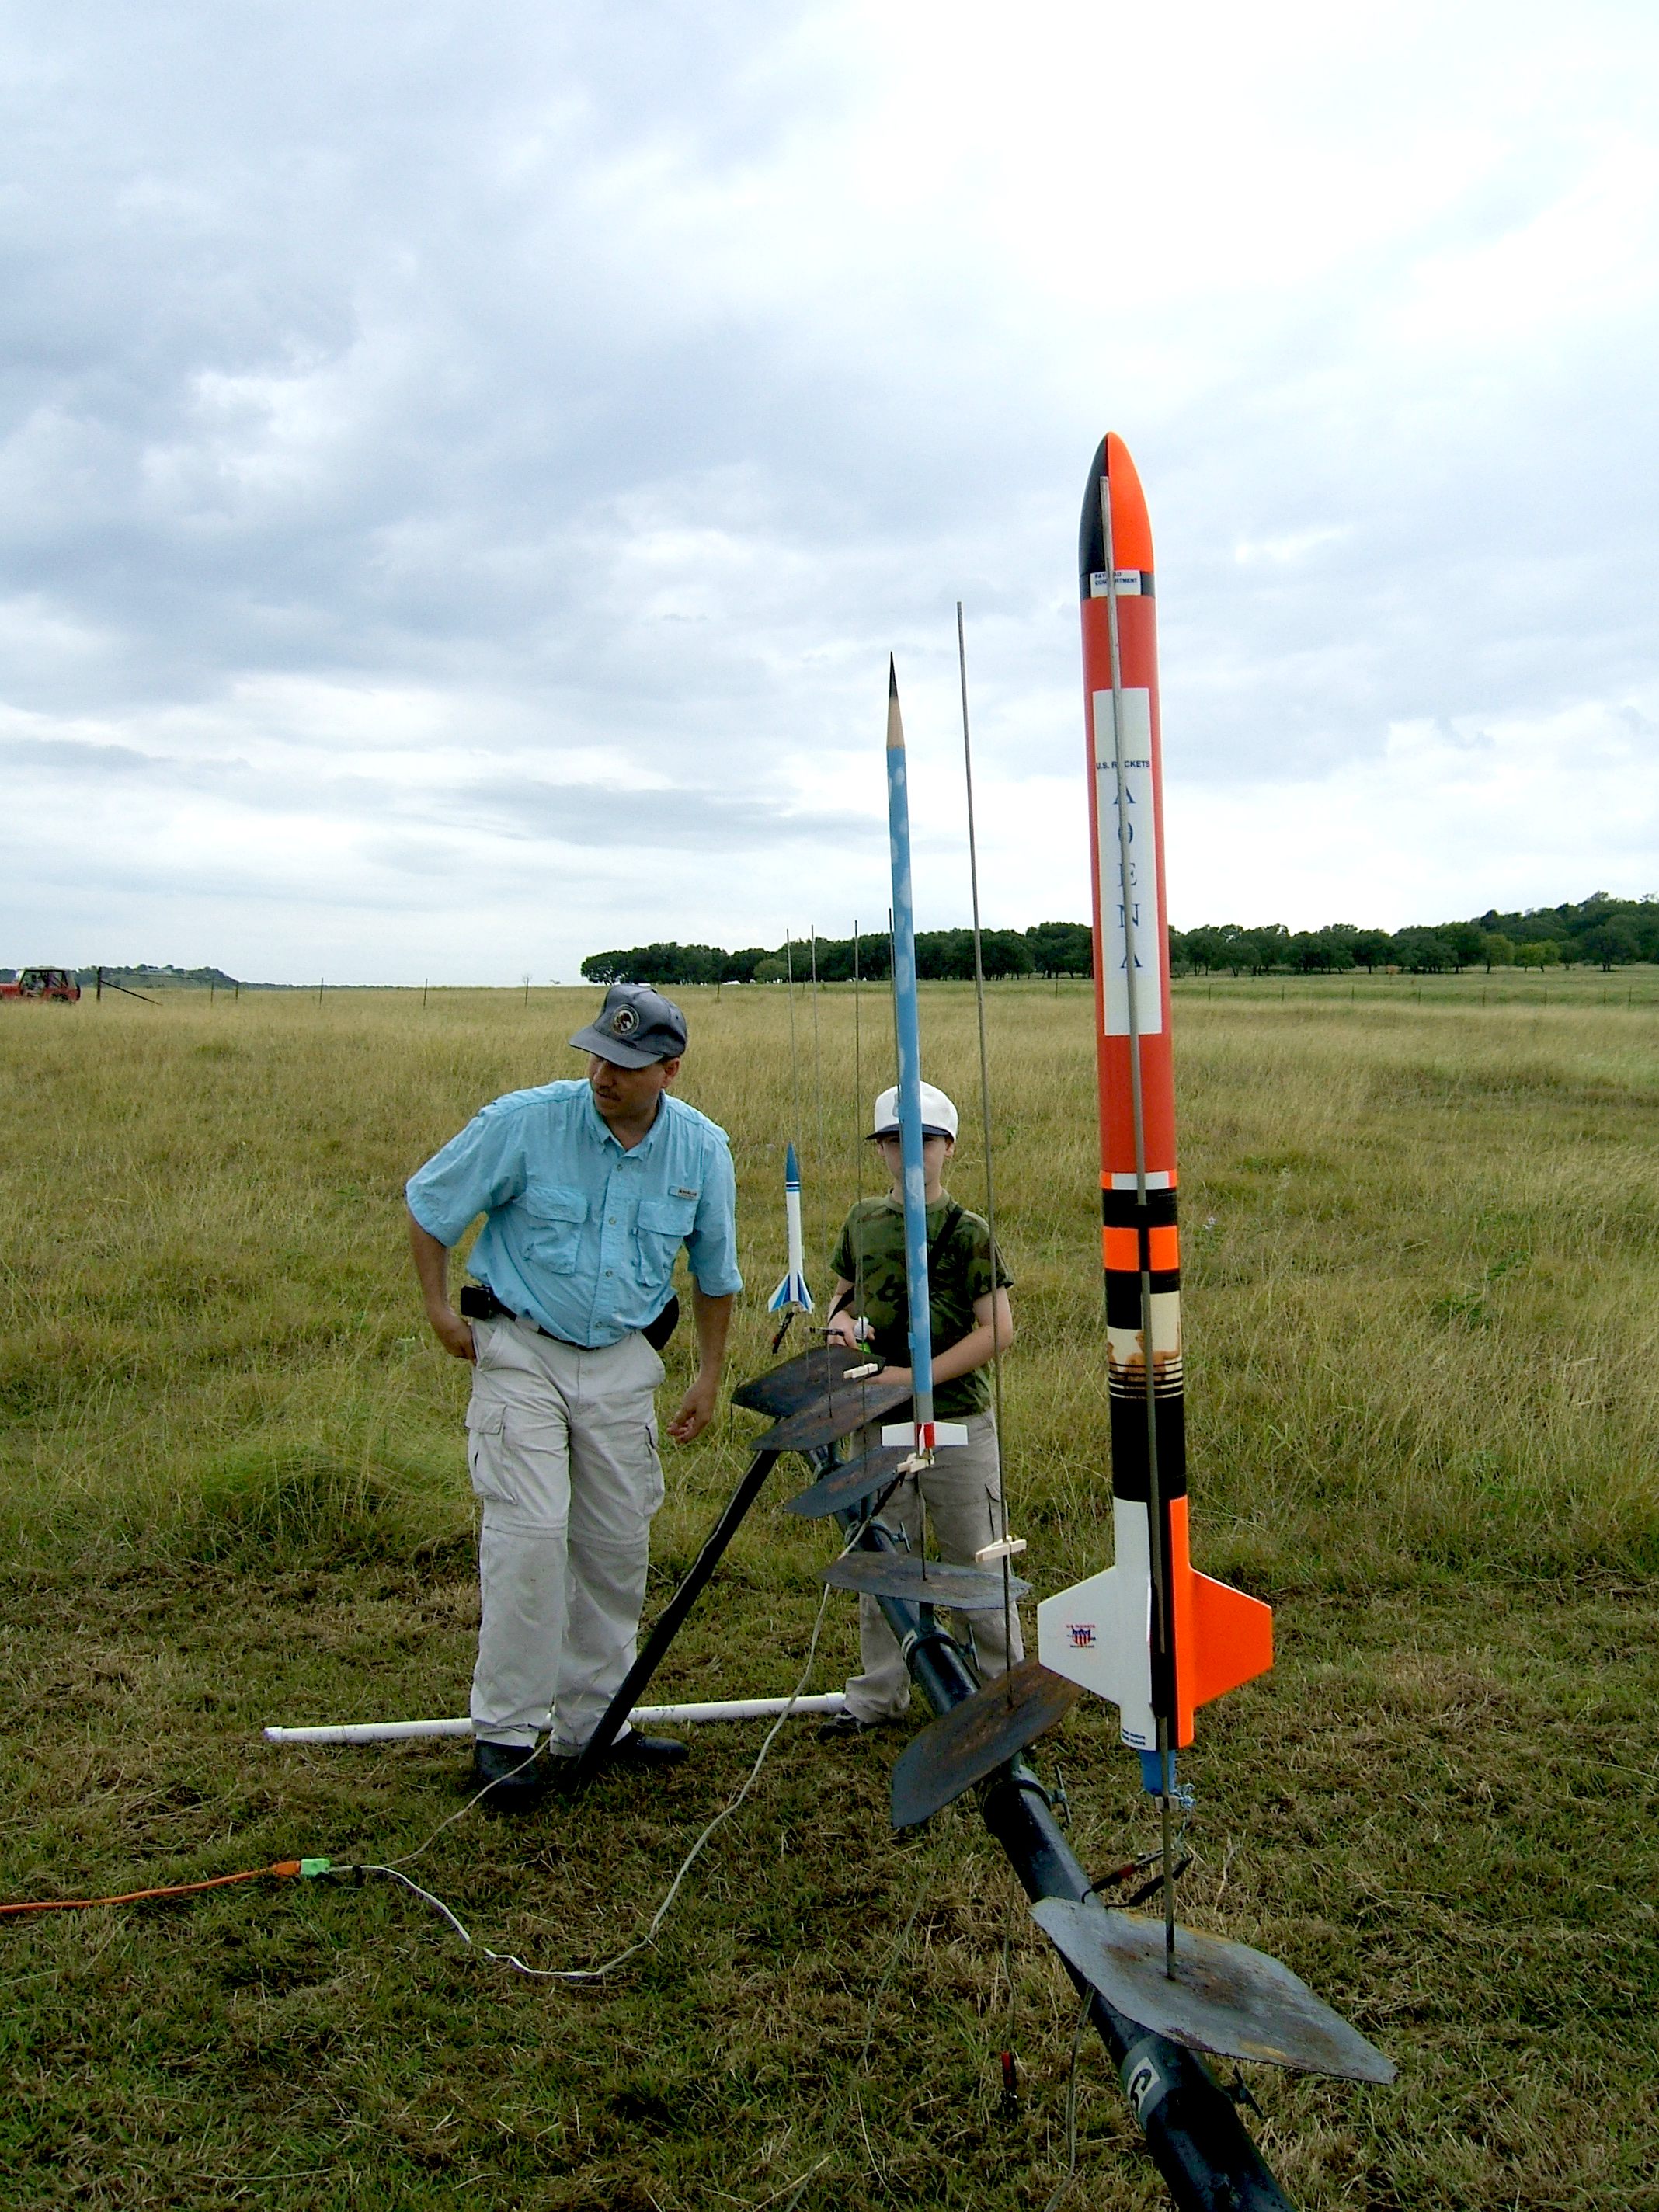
(452, 1332)
(843, 1329)
(697, 1409)
(432, 1268)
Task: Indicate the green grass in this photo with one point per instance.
(1422, 1242)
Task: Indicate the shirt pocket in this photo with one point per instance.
(552, 1220)
(663, 1225)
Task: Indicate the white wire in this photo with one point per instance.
(644, 1943)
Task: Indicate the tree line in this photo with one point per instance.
(1051, 948)
(1600, 931)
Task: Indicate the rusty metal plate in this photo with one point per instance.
(922, 1582)
(851, 1483)
(1225, 1998)
(961, 1747)
(800, 1381)
(825, 1420)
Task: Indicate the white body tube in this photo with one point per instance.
(719, 1708)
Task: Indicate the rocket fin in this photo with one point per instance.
(791, 1291)
(781, 1297)
(1099, 1633)
(1232, 1640)
(1223, 1636)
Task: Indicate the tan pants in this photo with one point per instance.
(562, 1448)
(964, 1511)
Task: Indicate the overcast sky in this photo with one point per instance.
(462, 468)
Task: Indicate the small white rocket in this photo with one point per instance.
(793, 1291)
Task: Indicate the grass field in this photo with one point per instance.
(1422, 1241)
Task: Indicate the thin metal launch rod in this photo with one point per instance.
(984, 1125)
(1154, 1496)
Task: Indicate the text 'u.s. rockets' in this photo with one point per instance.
(1150, 1634)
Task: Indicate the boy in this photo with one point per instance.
(960, 1491)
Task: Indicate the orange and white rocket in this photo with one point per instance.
(1150, 1634)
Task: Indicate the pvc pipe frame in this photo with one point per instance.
(718, 1709)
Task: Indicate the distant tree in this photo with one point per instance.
(1424, 951)
(1061, 948)
(606, 967)
(1496, 950)
(659, 965)
(772, 969)
(739, 967)
(1466, 941)
(1371, 949)
(1321, 951)
(1612, 943)
(1004, 952)
(1204, 949)
(1261, 950)
(1537, 954)
(944, 955)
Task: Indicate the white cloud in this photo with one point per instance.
(460, 476)
(1569, 800)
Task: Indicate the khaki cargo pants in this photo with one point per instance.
(562, 1448)
(964, 1511)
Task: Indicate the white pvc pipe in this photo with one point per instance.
(719, 1708)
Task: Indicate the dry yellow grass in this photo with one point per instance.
(1421, 1239)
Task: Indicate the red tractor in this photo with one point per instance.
(58, 983)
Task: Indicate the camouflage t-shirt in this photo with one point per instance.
(870, 1256)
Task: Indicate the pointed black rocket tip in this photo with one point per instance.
(892, 677)
(1091, 533)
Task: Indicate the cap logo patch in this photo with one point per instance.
(624, 1021)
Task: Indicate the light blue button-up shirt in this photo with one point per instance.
(580, 1234)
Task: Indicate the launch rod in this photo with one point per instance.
(984, 1125)
(1137, 1108)
(906, 1025)
(1197, 2140)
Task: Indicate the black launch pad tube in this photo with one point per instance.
(1198, 2142)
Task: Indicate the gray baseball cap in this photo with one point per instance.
(636, 1027)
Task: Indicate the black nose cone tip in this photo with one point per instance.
(1090, 535)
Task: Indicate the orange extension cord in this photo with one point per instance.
(285, 1869)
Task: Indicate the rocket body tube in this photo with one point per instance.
(1150, 1634)
(907, 1023)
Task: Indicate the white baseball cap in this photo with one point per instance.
(938, 1116)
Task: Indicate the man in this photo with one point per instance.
(588, 1189)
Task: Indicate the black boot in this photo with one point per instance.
(513, 1774)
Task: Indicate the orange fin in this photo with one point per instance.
(1222, 1637)
(1232, 1642)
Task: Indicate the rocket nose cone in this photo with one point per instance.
(790, 1166)
(892, 677)
(1131, 530)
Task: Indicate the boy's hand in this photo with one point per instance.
(841, 1330)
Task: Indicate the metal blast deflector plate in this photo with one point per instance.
(972, 1739)
(915, 1581)
(851, 1483)
(801, 1381)
(1225, 1998)
(825, 1420)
